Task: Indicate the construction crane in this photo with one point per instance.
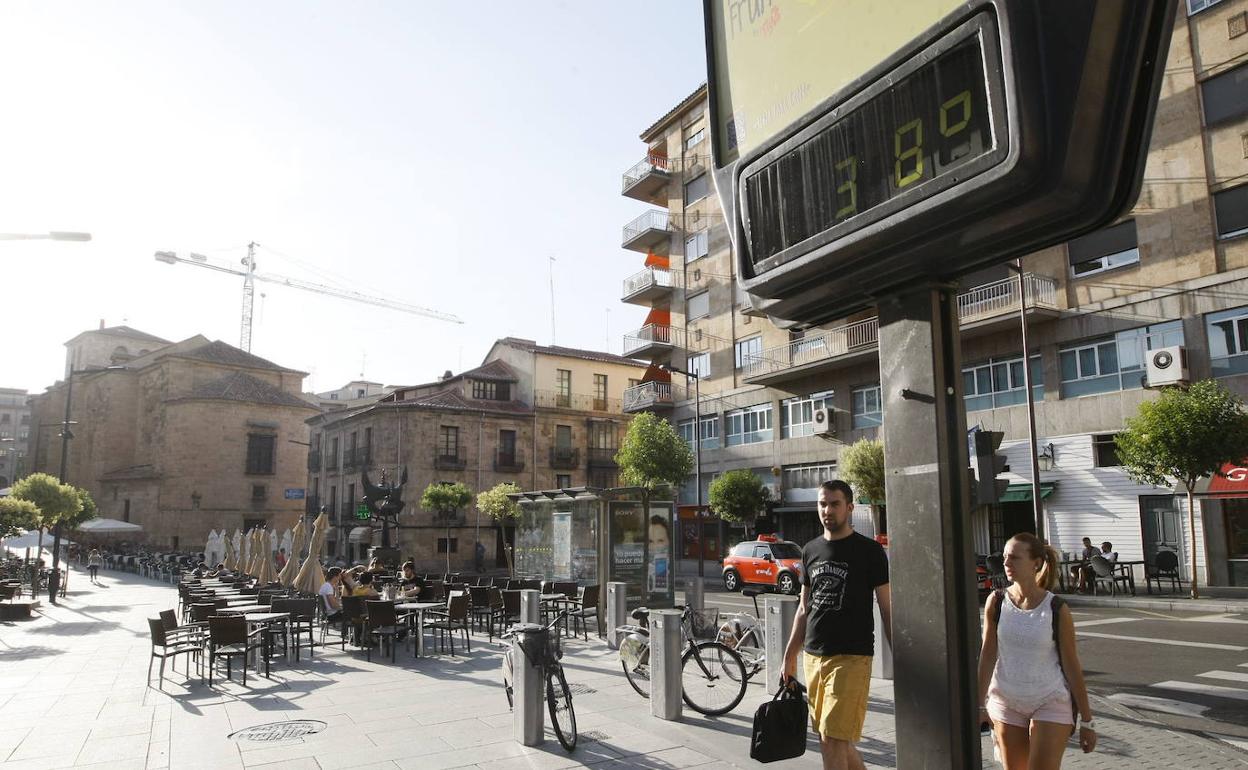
(250, 276)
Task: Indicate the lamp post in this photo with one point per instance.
(1036, 500)
(697, 451)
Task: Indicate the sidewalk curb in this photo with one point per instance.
(1174, 605)
(1105, 705)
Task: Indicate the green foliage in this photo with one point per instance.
(86, 513)
(653, 454)
(495, 503)
(17, 515)
(738, 495)
(862, 467)
(56, 501)
(1184, 435)
(445, 498)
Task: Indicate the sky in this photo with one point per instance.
(438, 154)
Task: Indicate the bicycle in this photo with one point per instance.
(745, 634)
(558, 694)
(703, 687)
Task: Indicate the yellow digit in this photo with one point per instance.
(915, 151)
(962, 100)
(849, 186)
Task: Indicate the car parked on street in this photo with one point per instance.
(766, 561)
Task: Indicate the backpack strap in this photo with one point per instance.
(999, 595)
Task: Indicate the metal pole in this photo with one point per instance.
(54, 580)
(1037, 503)
(697, 474)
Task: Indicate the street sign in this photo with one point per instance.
(862, 147)
(362, 512)
(294, 494)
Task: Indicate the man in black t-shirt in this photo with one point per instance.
(835, 625)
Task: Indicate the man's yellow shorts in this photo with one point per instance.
(838, 686)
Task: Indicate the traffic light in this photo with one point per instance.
(987, 464)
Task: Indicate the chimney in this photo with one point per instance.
(101, 323)
(447, 375)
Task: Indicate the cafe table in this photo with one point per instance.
(242, 609)
(418, 609)
(256, 620)
(554, 602)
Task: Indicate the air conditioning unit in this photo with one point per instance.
(773, 489)
(825, 422)
(1167, 366)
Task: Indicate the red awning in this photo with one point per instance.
(655, 260)
(655, 374)
(1231, 481)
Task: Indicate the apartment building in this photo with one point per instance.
(1173, 272)
(14, 434)
(540, 416)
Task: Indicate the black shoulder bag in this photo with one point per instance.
(780, 725)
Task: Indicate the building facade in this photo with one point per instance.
(187, 438)
(542, 417)
(14, 435)
(1173, 272)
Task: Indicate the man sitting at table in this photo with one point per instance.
(1108, 552)
(1079, 571)
(411, 583)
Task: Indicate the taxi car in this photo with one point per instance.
(766, 561)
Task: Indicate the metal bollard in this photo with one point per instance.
(695, 593)
(779, 613)
(530, 606)
(617, 611)
(882, 662)
(528, 724)
(665, 676)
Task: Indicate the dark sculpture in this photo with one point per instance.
(385, 502)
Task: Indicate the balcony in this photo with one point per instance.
(649, 233)
(508, 462)
(649, 395)
(348, 513)
(602, 457)
(358, 458)
(452, 460)
(648, 287)
(996, 304)
(647, 181)
(311, 505)
(348, 460)
(314, 462)
(653, 341)
(813, 353)
(565, 458)
(331, 461)
(552, 399)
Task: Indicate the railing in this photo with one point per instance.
(1002, 297)
(508, 462)
(348, 512)
(602, 456)
(449, 462)
(331, 462)
(314, 461)
(648, 395)
(564, 458)
(348, 460)
(360, 457)
(814, 347)
(647, 279)
(653, 334)
(553, 399)
(651, 220)
(648, 165)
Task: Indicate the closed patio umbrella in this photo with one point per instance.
(228, 558)
(291, 568)
(311, 576)
(266, 570)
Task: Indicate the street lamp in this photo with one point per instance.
(52, 236)
(697, 450)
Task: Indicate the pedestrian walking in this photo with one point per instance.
(835, 626)
(94, 560)
(1030, 678)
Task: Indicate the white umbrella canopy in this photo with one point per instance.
(311, 576)
(295, 545)
(31, 540)
(108, 527)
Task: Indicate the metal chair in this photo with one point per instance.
(353, 615)
(1165, 566)
(588, 608)
(1103, 571)
(454, 619)
(164, 647)
(229, 638)
(383, 623)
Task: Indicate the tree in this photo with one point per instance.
(17, 515)
(738, 495)
(56, 501)
(652, 455)
(862, 467)
(445, 499)
(1185, 434)
(86, 513)
(496, 504)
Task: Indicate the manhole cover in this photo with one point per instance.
(278, 731)
(593, 735)
(581, 689)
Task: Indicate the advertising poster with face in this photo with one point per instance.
(661, 559)
(628, 548)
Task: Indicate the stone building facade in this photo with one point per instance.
(1173, 272)
(542, 417)
(14, 435)
(190, 437)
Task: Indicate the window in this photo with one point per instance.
(743, 549)
(485, 390)
(601, 435)
(697, 245)
(448, 545)
(1103, 366)
(748, 351)
(694, 139)
(699, 364)
(1228, 341)
(563, 437)
(355, 440)
(1104, 249)
(797, 415)
(1225, 96)
(808, 476)
(698, 305)
(600, 392)
(563, 387)
(359, 393)
(258, 491)
(1196, 6)
(4, 418)
(260, 452)
(333, 396)
(697, 188)
(710, 431)
(1231, 210)
(125, 514)
(368, 439)
(1000, 382)
(603, 478)
(865, 408)
(1105, 451)
(333, 453)
(448, 441)
(750, 425)
(633, 382)
(563, 481)
(507, 446)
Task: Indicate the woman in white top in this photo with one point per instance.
(1026, 679)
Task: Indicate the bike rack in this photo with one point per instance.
(617, 611)
(779, 614)
(666, 641)
(528, 725)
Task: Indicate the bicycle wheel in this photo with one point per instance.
(639, 678)
(559, 701)
(704, 685)
(752, 658)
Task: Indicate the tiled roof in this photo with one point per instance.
(451, 398)
(557, 350)
(219, 352)
(124, 331)
(698, 93)
(493, 371)
(240, 386)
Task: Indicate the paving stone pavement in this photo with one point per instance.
(72, 694)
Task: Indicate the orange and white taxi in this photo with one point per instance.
(766, 561)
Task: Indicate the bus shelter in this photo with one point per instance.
(597, 536)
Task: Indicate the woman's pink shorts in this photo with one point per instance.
(1057, 710)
